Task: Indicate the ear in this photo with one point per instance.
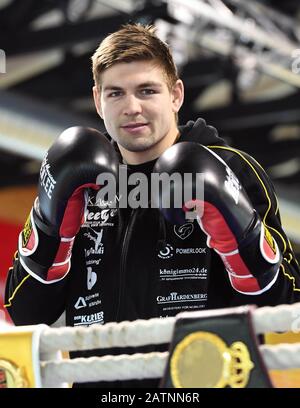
(177, 94)
(97, 100)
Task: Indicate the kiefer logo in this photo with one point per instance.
(87, 320)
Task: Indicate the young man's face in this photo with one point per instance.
(138, 109)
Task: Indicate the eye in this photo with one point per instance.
(147, 91)
(114, 94)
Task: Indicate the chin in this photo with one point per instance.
(138, 145)
(140, 148)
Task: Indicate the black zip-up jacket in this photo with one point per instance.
(130, 264)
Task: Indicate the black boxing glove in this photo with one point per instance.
(70, 166)
(225, 214)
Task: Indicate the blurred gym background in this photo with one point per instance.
(239, 59)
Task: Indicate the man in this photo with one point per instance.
(119, 264)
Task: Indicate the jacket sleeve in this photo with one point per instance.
(29, 301)
(262, 194)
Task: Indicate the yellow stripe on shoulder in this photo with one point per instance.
(231, 149)
(16, 290)
(269, 207)
(292, 278)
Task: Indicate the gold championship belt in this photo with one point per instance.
(19, 357)
(215, 349)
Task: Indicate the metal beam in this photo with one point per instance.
(28, 127)
(65, 35)
(237, 117)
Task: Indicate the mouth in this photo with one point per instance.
(134, 127)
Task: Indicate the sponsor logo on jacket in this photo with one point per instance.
(174, 297)
(96, 238)
(184, 231)
(87, 301)
(186, 273)
(87, 320)
(188, 251)
(94, 217)
(166, 252)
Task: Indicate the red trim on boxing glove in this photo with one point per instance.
(212, 221)
(74, 213)
(58, 272)
(241, 268)
(62, 262)
(45, 257)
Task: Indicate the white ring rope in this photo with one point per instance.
(108, 368)
(277, 319)
(141, 366)
(154, 331)
(124, 334)
(281, 356)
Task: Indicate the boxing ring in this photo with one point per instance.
(31, 356)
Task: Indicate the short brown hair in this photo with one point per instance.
(133, 42)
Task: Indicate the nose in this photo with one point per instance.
(132, 106)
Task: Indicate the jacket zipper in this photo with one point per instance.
(123, 259)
